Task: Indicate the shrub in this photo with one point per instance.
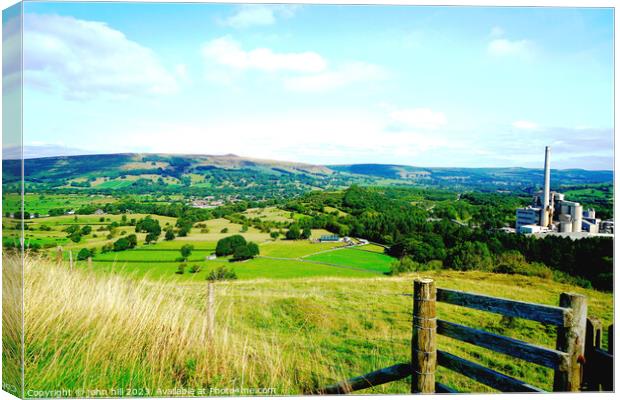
(293, 233)
(222, 274)
(84, 254)
(181, 269)
(470, 256)
(225, 230)
(194, 269)
(186, 250)
(76, 237)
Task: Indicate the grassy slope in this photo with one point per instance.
(356, 256)
(101, 331)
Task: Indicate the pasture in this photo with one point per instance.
(269, 214)
(357, 256)
(42, 203)
(278, 260)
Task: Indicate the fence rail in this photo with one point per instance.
(578, 361)
(558, 316)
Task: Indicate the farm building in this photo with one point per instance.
(329, 238)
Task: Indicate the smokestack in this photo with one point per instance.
(547, 190)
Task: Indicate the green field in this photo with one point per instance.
(42, 203)
(356, 257)
(294, 249)
(160, 260)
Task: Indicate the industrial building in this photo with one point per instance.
(551, 212)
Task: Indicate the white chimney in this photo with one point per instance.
(547, 190)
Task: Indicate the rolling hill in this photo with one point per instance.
(231, 174)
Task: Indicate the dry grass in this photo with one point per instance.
(12, 323)
(91, 332)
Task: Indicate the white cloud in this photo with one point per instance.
(505, 47)
(527, 125)
(249, 15)
(311, 136)
(421, 118)
(227, 52)
(83, 59)
(344, 75)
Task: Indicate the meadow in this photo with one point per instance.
(293, 335)
(279, 258)
(42, 203)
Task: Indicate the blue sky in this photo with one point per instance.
(427, 86)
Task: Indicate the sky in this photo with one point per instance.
(413, 85)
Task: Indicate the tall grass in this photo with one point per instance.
(12, 302)
(92, 332)
(89, 331)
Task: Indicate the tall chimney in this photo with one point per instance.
(547, 190)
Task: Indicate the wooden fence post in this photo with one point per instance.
(591, 373)
(424, 340)
(70, 260)
(211, 309)
(571, 340)
(89, 262)
(58, 254)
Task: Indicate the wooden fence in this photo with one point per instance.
(578, 361)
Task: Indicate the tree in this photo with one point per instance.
(150, 237)
(86, 230)
(293, 233)
(274, 235)
(133, 241)
(254, 250)
(241, 253)
(306, 233)
(169, 234)
(84, 254)
(470, 255)
(148, 225)
(75, 237)
(121, 244)
(227, 245)
(186, 250)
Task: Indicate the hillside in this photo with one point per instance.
(293, 334)
(232, 175)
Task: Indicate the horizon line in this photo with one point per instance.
(24, 157)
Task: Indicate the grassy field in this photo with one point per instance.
(269, 214)
(91, 331)
(42, 203)
(357, 256)
(294, 249)
(281, 259)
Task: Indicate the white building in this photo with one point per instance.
(527, 216)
